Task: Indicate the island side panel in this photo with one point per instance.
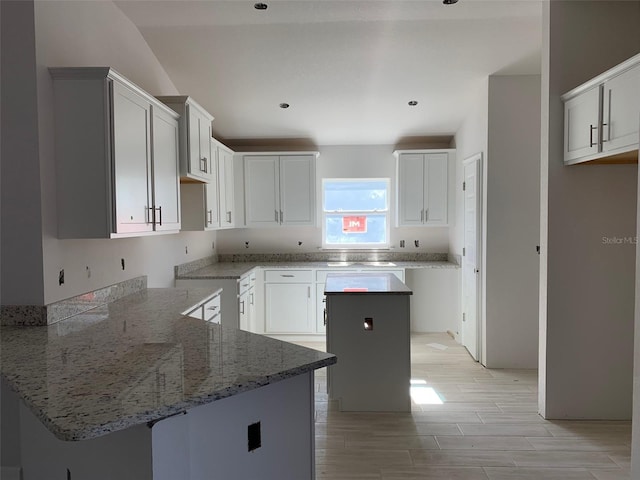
(374, 366)
(218, 434)
(125, 455)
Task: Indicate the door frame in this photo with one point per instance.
(480, 317)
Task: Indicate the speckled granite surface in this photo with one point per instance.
(235, 269)
(365, 284)
(34, 315)
(138, 360)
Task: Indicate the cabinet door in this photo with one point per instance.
(288, 308)
(411, 189)
(621, 108)
(199, 141)
(227, 215)
(132, 160)
(581, 125)
(262, 198)
(297, 190)
(166, 186)
(436, 181)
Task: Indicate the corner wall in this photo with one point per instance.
(587, 322)
(513, 226)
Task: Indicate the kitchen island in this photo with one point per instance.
(368, 329)
(136, 390)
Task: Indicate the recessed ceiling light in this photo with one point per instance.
(262, 6)
(284, 105)
(449, 2)
(413, 103)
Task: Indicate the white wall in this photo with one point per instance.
(513, 228)
(635, 445)
(355, 161)
(21, 277)
(587, 322)
(96, 34)
(471, 138)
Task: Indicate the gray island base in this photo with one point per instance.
(368, 330)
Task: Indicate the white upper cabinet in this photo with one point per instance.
(196, 160)
(582, 127)
(116, 151)
(601, 117)
(209, 206)
(422, 187)
(621, 111)
(226, 185)
(280, 189)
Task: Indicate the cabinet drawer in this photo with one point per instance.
(211, 309)
(288, 276)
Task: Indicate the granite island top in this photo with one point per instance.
(139, 360)
(365, 284)
(234, 270)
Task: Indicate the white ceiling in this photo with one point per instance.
(347, 68)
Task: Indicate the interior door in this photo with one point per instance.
(471, 259)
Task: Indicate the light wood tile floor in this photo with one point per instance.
(486, 428)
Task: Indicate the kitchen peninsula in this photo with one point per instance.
(134, 389)
(368, 329)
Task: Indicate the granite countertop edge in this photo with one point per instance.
(75, 435)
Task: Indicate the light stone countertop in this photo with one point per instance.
(365, 284)
(138, 360)
(234, 270)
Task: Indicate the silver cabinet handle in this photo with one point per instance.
(422, 215)
(242, 307)
(153, 215)
(325, 317)
(276, 212)
(286, 275)
(203, 164)
(215, 307)
(229, 217)
(608, 133)
(251, 299)
(308, 292)
(210, 215)
(426, 215)
(280, 216)
(591, 129)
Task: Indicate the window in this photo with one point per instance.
(355, 213)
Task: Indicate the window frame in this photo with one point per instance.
(386, 212)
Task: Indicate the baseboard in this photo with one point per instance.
(11, 473)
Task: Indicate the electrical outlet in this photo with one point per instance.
(401, 243)
(246, 244)
(254, 437)
(61, 277)
(416, 243)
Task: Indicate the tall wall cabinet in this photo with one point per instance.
(422, 187)
(280, 189)
(116, 151)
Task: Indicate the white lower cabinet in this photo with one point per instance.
(288, 301)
